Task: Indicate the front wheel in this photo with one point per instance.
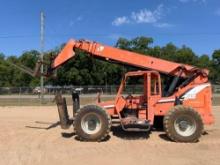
(92, 123)
(183, 124)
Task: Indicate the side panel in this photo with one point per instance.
(109, 106)
(164, 105)
(200, 98)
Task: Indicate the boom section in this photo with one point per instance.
(105, 52)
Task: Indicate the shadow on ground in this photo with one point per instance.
(120, 133)
(117, 131)
(68, 135)
(50, 125)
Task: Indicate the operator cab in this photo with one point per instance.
(137, 92)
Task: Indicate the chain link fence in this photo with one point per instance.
(22, 96)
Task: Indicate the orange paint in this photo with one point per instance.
(196, 94)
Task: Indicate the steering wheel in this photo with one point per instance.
(129, 98)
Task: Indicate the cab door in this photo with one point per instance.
(154, 93)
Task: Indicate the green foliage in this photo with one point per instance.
(138, 44)
(204, 61)
(215, 66)
(11, 77)
(216, 57)
(85, 70)
(168, 52)
(186, 55)
(123, 43)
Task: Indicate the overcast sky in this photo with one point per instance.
(195, 23)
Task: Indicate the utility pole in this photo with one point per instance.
(42, 56)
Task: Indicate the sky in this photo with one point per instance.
(194, 23)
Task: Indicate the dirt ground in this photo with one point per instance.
(31, 135)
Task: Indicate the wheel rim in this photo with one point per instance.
(91, 123)
(185, 125)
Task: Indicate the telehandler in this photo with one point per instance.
(185, 104)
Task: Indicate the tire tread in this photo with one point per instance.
(88, 108)
(174, 111)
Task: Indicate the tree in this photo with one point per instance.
(3, 76)
(216, 57)
(215, 67)
(123, 43)
(20, 79)
(186, 55)
(141, 44)
(85, 70)
(204, 61)
(169, 52)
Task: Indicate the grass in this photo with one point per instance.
(48, 101)
(30, 101)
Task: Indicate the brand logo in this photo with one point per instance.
(100, 48)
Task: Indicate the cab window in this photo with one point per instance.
(155, 90)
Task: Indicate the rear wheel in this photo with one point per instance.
(183, 124)
(92, 123)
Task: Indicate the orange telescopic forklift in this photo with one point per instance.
(185, 104)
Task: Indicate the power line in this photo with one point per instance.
(19, 36)
(106, 35)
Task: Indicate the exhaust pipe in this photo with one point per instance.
(65, 122)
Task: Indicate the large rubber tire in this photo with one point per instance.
(86, 117)
(183, 124)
